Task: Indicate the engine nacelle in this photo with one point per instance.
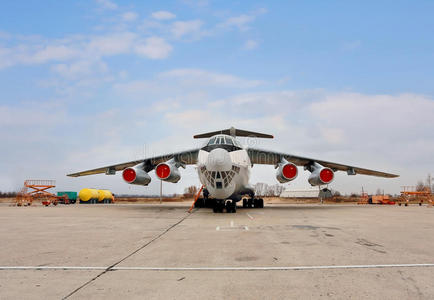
(286, 171)
(168, 171)
(136, 175)
(320, 175)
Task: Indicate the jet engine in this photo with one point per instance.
(136, 175)
(286, 171)
(168, 171)
(320, 175)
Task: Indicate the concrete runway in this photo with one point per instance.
(152, 251)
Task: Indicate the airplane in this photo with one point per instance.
(223, 166)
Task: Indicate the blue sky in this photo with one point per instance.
(90, 83)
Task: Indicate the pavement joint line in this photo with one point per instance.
(270, 268)
(111, 268)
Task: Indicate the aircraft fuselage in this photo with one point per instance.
(224, 167)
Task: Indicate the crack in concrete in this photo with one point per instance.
(110, 268)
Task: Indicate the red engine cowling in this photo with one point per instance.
(136, 175)
(168, 172)
(286, 172)
(321, 175)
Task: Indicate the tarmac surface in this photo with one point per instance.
(147, 251)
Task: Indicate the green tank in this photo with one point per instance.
(72, 196)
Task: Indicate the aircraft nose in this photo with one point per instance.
(219, 160)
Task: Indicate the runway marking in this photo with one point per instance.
(251, 218)
(282, 268)
(246, 228)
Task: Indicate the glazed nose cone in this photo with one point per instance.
(219, 160)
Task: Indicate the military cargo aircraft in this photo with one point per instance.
(224, 165)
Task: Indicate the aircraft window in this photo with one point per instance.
(223, 175)
(218, 174)
(228, 141)
(211, 141)
(218, 185)
(213, 174)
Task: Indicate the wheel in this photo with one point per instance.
(255, 202)
(261, 203)
(250, 203)
(218, 206)
(199, 203)
(228, 206)
(245, 204)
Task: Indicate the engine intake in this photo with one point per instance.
(320, 175)
(136, 175)
(168, 171)
(286, 171)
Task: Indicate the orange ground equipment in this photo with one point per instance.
(364, 198)
(195, 199)
(409, 193)
(37, 190)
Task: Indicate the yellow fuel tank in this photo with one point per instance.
(86, 195)
(105, 195)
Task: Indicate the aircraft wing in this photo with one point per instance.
(258, 156)
(184, 157)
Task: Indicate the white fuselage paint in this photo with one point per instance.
(219, 160)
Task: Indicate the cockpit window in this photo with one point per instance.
(222, 141)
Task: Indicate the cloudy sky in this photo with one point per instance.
(84, 84)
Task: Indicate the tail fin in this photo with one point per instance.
(234, 132)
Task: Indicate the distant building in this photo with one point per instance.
(300, 193)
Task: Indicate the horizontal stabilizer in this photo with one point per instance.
(234, 132)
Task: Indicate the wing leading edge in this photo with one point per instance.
(184, 157)
(258, 156)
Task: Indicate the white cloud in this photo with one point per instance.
(163, 15)
(154, 48)
(196, 3)
(242, 21)
(198, 77)
(80, 69)
(181, 28)
(353, 45)
(107, 4)
(84, 48)
(250, 44)
(129, 16)
(53, 52)
(111, 44)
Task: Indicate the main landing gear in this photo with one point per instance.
(220, 205)
(253, 202)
